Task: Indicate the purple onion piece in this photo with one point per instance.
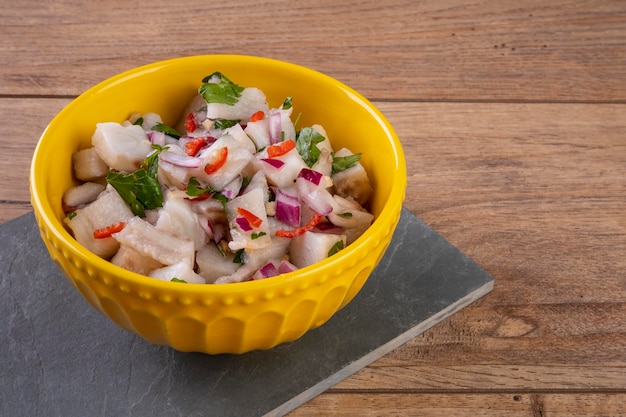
(275, 128)
(287, 208)
(310, 175)
(276, 163)
(180, 160)
(243, 224)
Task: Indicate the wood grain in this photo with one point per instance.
(512, 115)
(564, 50)
(479, 405)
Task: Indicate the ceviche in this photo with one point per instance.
(235, 191)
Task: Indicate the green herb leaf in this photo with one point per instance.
(238, 257)
(151, 163)
(295, 123)
(336, 248)
(139, 190)
(195, 189)
(178, 280)
(71, 215)
(306, 144)
(245, 181)
(139, 121)
(257, 235)
(222, 124)
(345, 215)
(216, 88)
(341, 163)
(287, 104)
(168, 130)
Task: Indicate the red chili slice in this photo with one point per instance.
(194, 145)
(190, 123)
(280, 148)
(108, 230)
(249, 216)
(315, 220)
(257, 116)
(218, 162)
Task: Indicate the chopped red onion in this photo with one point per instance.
(156, 138)
(180, 160)
(243, 224)
(285, 267)
(311, 175)
(231, 190)
(266, 271)
(275, 127)
(287, 208)
(328, 227)
(317, 199)
(276, 163)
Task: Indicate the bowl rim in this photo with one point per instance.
(43, 207)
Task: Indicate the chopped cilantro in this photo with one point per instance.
(245, 181)
(71, 215)
(287, 104)
(238, 257)
(297, 120)
(168, 130)
(306, 144)
(341, 163)
(139, 121)
(345, 215)
(178, 280)
(138, 189)
(151, 163)
(216, 88)
(222, 124)
(257, 235)
(336, 248)
(195, 189)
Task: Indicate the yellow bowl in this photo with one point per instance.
(231, 318)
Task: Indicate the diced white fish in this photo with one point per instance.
(178, 219)
(251, 100)
(257, 236)
(214, 263)
(180, 270)
(237, 159)
(349, 215)
(88, 165)
(352, 182)
(82, 194)
(121, 148)
(128, 258)
(109, 209)
(158, 244)
(311, 247)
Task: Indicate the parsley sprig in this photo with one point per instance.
(216, 88)
(195, 189)
(168, 130)
(140, 189)
(306, 144)
(341, 163)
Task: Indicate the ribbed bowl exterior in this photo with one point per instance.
(234, 322)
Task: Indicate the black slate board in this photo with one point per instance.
(62, 358)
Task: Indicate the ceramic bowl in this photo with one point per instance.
(229, 318)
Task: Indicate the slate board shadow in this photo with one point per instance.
(62, 358)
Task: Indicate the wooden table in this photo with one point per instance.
(512, 114)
